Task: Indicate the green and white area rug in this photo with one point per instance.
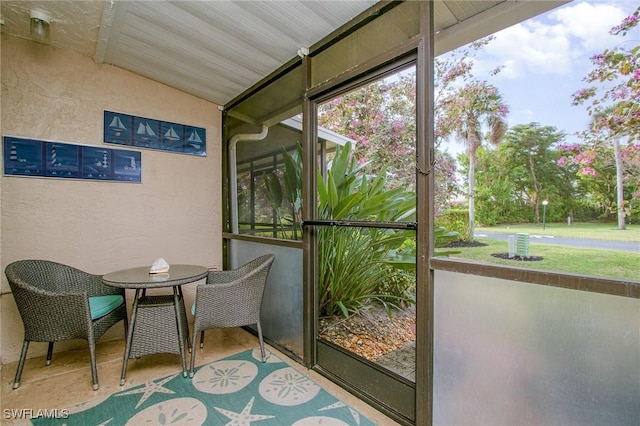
(237, 390)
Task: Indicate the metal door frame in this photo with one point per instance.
(392, 394)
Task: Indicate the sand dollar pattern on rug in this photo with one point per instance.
(238, 390)
(222, 377)
(288, 387)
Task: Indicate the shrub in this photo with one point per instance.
(353, 273)
(357, 265)
(456, 220)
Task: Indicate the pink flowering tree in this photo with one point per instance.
(614, 86)
(613, 99)
(597, 172)
(381, 118)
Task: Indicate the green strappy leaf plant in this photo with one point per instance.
(357, 265)
(292, 177)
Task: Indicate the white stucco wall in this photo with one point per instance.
(99, 227)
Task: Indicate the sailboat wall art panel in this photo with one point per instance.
(194, 143)
(49, 159)
(141, 132)
(145, 133)
(172, 136)
(118, 128)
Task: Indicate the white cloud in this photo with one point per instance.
(546, 58)
(559, 43)
(590, 23)
(532, 47)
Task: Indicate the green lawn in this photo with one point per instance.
(602, 263)
(596, 231)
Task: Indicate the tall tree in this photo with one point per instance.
(514, 178)
(465, 112)
(605, 136)
(614, 96)
(595, 172)
(617, 155)
(528, 145)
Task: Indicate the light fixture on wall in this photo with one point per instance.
(40, 25)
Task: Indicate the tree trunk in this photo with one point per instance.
(619, 185)
(536, 189)
(472, 167)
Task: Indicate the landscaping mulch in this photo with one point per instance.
(517, 258)
(371, 333)
(462, 243)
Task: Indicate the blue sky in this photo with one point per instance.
(546, 58)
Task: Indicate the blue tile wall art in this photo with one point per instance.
(141, 132)
(38, 158)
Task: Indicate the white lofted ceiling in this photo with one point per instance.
(217, 49)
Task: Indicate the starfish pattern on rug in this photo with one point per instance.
(149, 389)
(243, 418)
(354, 414)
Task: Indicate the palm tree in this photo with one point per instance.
(463, 114)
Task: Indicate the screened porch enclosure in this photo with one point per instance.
(263, 204)
(494, 344)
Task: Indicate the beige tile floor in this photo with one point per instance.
(67, 381)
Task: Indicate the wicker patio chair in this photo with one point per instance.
(59, 302)
(230, 298)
